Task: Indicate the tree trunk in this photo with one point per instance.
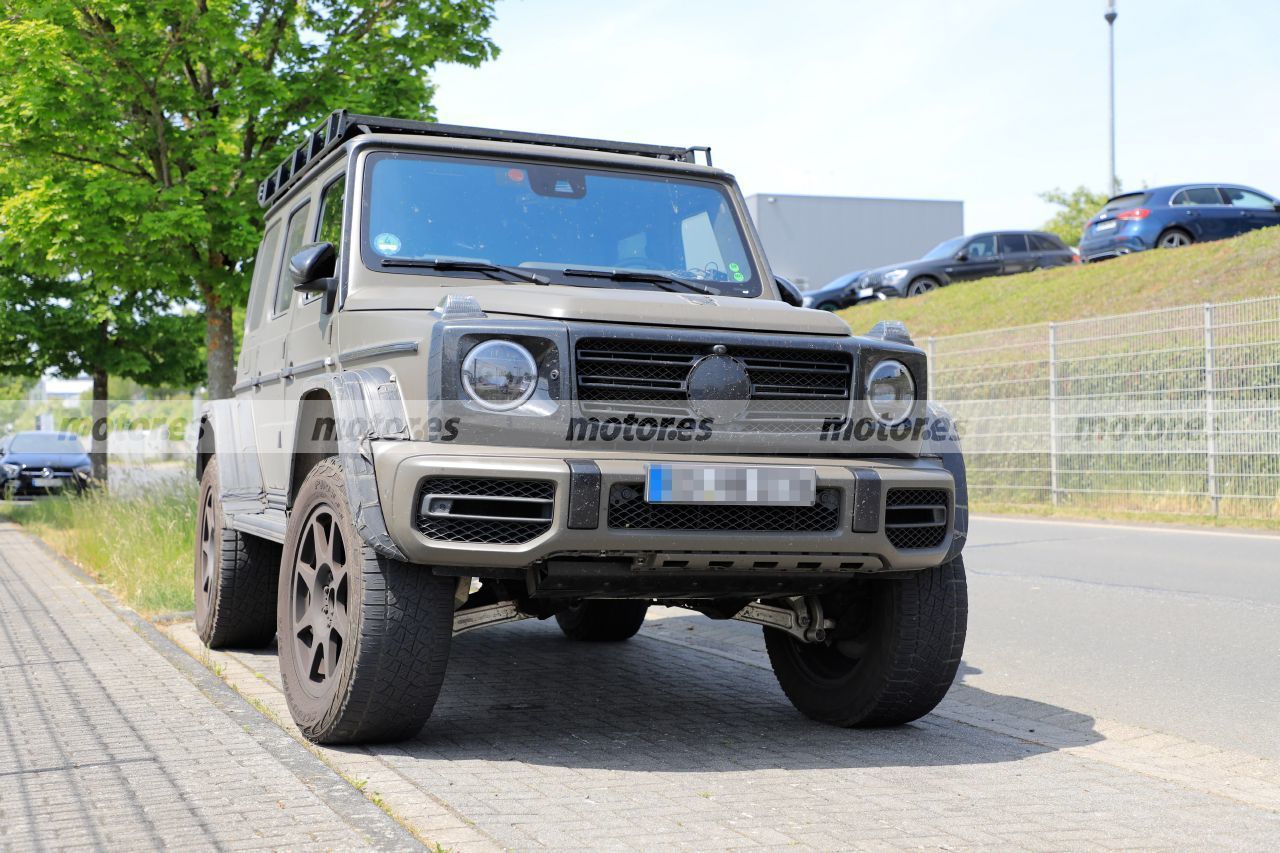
(220, 343)
(98, 445)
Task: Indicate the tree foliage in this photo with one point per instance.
(1078, 206)
(134, 132)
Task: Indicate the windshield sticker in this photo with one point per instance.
(387, 243)
(739, 277)
(734, 268)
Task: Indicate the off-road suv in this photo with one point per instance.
(489, 376)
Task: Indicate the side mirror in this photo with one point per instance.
(312, 271)
(789, 293)
(962, 256)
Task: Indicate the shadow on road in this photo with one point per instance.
(524, 693)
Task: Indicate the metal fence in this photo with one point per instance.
(1176, 410)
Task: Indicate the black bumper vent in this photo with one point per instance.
(628, 510)
(916, 518)
(484, 510)
(788, 385)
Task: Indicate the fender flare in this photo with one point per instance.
(233, 443)
(944, 442)
(367, 407)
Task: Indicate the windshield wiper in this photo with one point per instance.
(657, 279)
(446, 265)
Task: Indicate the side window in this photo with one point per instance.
(329, 229)
(263, 268)
(1041, 243)
(982, 247)
(1238, 197)
(1013, 243)
(294, 241)
(1197, 195)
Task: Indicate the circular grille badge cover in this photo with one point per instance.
(719, 388)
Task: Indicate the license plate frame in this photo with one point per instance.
(46, 482)
(1105, 226)
(730, 485)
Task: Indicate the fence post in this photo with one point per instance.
(929, 367)
(1210, 406)
(1053, 413)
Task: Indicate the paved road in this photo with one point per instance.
(1176, 630)
(681, 737)
(110, 738)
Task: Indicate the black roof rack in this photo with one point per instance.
(342, 125)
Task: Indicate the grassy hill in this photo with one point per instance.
(1240, 268)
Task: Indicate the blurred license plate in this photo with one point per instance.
(1105, 226)
(731, 484)
(46, 482)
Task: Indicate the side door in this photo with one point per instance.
(1048, 252)
(268, 380)
(1015, 253)
(1203, 212)
(313, 330)
(1252, 209)
(980, 260)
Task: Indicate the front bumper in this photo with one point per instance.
(579, 522)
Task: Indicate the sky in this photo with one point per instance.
(986, 101)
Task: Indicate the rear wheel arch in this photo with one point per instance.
(1171, 230)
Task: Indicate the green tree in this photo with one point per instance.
(174, 109)
(1078, 206)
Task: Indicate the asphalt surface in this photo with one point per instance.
(1174, 630)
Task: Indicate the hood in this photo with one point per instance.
(602, 305)
(46, 460)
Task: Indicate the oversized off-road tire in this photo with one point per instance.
(364, 640)
(896, 650)
(602, 620)
(235, 576)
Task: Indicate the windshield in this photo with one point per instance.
(552, 217)
(944, 249)
(46, 442)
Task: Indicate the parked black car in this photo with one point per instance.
(1176, 215)
(40, 463)
(962, 258)
(838, 293)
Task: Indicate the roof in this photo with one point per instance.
(341, 126)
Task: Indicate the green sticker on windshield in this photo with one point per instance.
(739, 277)
(734, 267)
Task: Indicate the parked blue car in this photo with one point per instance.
(42, 463)
(1178, 215)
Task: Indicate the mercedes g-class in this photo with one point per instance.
(489, 375)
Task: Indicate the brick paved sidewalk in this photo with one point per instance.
(110, 738)
(681, 738)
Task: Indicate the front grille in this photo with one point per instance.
(916, 518)
(789, 385)
(628, 510)
(486, 511)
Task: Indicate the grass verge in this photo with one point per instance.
(1240, 268)
(139, 546)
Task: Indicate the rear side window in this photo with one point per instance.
(293, 242)
(263, 268)
(1126, 202)
(1238, 197)
(1013, 243)
(1045, 243)
(1197, 195)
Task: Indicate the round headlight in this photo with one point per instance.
(499, 375)
(891, 392)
